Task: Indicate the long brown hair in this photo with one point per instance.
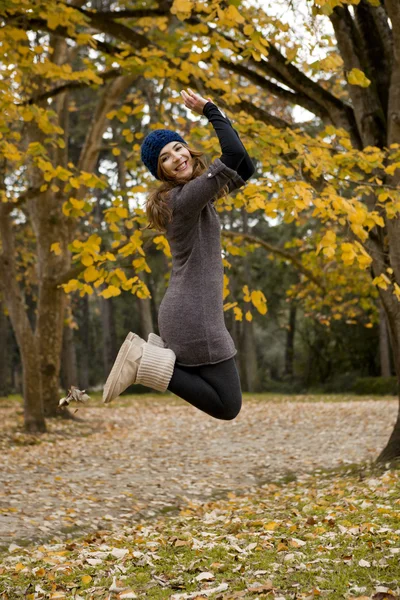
(159, 213)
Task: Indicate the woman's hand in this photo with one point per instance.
(194, 101)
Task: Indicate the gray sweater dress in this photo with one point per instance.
(191, 316)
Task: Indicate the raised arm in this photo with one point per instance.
(234, 154)
(190, 198)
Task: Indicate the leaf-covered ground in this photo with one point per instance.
(151, 499)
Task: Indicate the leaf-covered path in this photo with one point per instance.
(143, 455)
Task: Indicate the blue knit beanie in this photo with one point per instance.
(153, 144)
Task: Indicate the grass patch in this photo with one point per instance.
(331, 535)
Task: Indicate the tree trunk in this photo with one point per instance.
(146, 317)
(50, 325)
(392, 449)
(4, 354)
(108, 334)
(250, 366)
(384, 347)
(83, 368)
(69, 369)
(33, 404)
(289, 350)
(31, 374)
(26, 340)
(250, 358)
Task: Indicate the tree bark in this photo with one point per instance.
(250, 365)
(289, 349)
(384, 347)
(146, 317)
(4, 354)
(108, 334)
(392, 449)
(249, 362)
(83, 368)
(69, 369)
(26, 340)
(50, 327)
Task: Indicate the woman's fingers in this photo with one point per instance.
(193, 101)
(186, 98)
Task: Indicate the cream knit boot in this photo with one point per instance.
(125, 368)
(155, 340)
(156, 367)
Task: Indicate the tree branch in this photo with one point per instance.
(117, 30)
(112, 92)
(278, 67)
(138, 13)
(276, 90)
(274, 250)
(72, 85)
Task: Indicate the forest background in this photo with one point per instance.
(310, 245)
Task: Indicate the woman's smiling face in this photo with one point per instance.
(176, 161)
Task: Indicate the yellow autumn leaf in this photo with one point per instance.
(16, 34)
(232, 14)
(246, 293)
(162, 244)
(390, 170)
(137, 110)
(238, 313)
(19, 567)
(358, 216)
(348, 253)
(56, 248)
(140, 264)
(112, 290)
(86, 259)
(364, 260)
(357, 77)
(329, 252)
(71, 286)
(90, 274)
(271, 526)
(381, 281)
(329, 240)
(181, 6)
(226, 286)
(259, 301)
(229, 305)
(86, 579)
(249, 316)
(121, 212)
(77, 203)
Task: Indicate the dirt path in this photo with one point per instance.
(137, 458)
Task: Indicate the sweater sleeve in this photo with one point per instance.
(231, 170)
(189, 199)
(234, 154)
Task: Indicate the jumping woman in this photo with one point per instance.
(194, 357)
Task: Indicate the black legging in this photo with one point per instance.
(214, 389)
